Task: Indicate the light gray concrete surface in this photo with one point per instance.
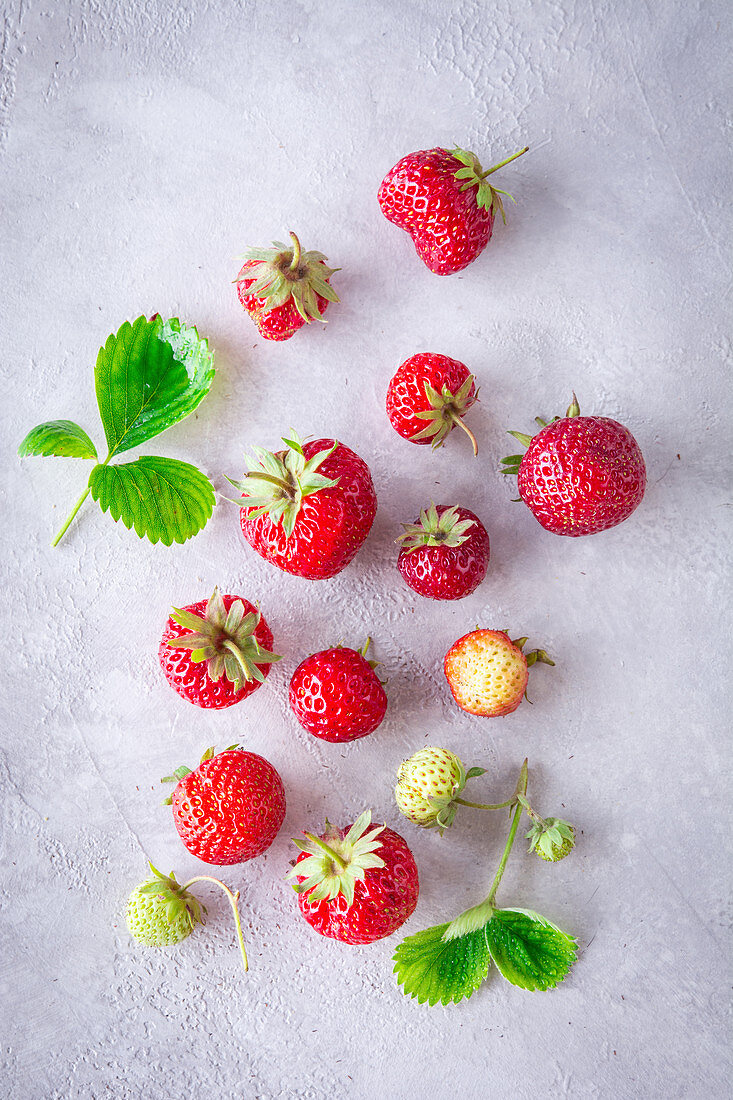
(143, 146)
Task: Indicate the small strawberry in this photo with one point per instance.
(283, 288)
(222, 656)
(441, 197)
(336, 695)
(551, 838)
(161, 912)
(445, 554)
(230, 808)
(579, 474)
(428, 785)
(355, 885)
(428, 396)
(487, 672)
(307, 509)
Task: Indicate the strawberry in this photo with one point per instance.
(487, 672)
(579, 474)
(283, 288)
(336, 695)
(223, 654)
(230, 808)
(308, 508)
(161, 912)
(427, 784)
(441, 197)
(445, 554)
(428, 396)
(355, 885)
(551, 838)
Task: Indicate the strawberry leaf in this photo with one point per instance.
(149, 375)
(434, 969)
(529, 950)
(163, 499)
(58, 437)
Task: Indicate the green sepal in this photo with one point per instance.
(163, 499)
(335, 863)
(432, 529)
(446, 410)
(284, 272)
(473, 772)
(277, 482)
(62, 438)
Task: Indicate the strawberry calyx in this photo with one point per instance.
(551, 837)
(534, 655)
(445, 412)
(432, 529)
(510, 465)
(225, 640)
(285, 272)
(278, 481)
(178, 901)
(473, 175)
(336, 863)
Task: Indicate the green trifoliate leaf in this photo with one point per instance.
(529, 950)
(433, 969)
(58, 437)
(163, 499)
(149, 375)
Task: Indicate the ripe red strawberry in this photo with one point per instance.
(223, 653)
(428, 396)
(353, 885)
(336, 695)
(230, 808)
(283, 288)
(308, 508)
(487, 672)
(580, 474)
(441, 197)
(445, 554)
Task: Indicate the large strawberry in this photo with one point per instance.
(222, 655)
(445, 554)
(487, 672)
(230, 808)
(427, 397)
(441, 197)
(356, 885)
(307, 509)
(283, 288)
(336, 694)
(579, 474)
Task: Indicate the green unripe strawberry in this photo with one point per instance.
(160, 912)
(551, 838)
(428, 786)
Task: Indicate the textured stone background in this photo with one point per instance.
(142, 147)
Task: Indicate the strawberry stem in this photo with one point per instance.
(487, 805)
(457, 420)
(501, 163)
(295, 262)
(340, 863)
(233, 899)
(518, 797)
(74, 510)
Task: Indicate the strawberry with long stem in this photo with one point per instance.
(450, 961)
(162, 912)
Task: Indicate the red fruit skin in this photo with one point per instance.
(422, 196)
(336, 695)
(191, 680)
(581, 475)
(448, 572)
(382, 901)
(279, 323)
(406, 391)
(331, 525)
(230, 808)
